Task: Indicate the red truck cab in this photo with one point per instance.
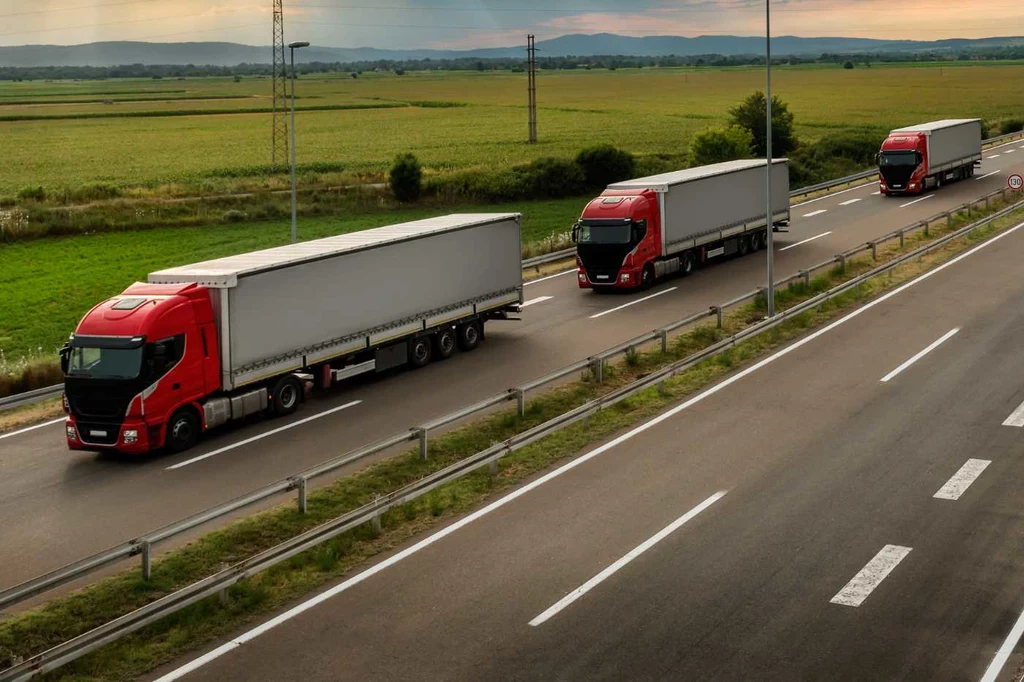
(618, 238)
(133, 362)
(903, 164)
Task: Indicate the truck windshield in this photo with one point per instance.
(898, 159)
(605, 234)
(105, 363)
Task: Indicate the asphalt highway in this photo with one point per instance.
(56, 506)
(848, 508)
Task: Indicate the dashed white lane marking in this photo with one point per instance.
(261, 436)
(848, 203)
(793, 246)
(535, 301)
(615, 567)
(917, 201)
(814, 213)
(31, 428)
(935, 344)
(962, 479)
(632, 303)
(871, 576)
(1008, 151)
(830, 195)
(1016, 418)
(994, 156)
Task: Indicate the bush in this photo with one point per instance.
(95, 191)
(716, 145)
(833, 156)
(604, 164)
(848, 65)
(234, 216)
(1013, 125)
(406, 178)
(751, 115)
(552, 178)
(35, 193)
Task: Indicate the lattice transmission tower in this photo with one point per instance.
(531, 86)
(279, 134)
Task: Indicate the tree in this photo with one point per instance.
(406, 178)
(716, 145)
(848, 65)
(751, 115)
(603, 164)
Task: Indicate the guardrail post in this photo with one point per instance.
(375, 522)
(949, 220)
(521, 401)
(874, 250)
(842, 260)
(661, 388)
(924, 224)
(717, 310)
(300, 485)
(663, 335)
(988, 200)
(147, 560)
(970, 208)
(903, 238)
(422, 433)
(806, 274)
(494, 467)
(597, 366)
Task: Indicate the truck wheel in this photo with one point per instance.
(755, 241)
(285, 396)
(182, 431)
(444, 343)
(647, 277)
(744, 246)
(420, 352)
(688, 264)
(470, 336)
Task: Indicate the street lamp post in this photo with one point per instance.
(770, 292)
(295, 226)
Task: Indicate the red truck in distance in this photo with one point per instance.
(642, 230)
(929, 155)
(200, 345)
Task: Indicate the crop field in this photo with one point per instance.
(144, 133)
(49, 284)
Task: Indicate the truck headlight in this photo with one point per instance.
(72, 434)
(583, 278)
(131, 435)
(65, 403)
(913, 185)
(624, 277)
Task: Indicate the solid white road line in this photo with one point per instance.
(793, 246)
(871, 576)
(568, 466)
(1003, 653)
(1008, 151)
(962, 480)
(544, 279)
(917, 201)
(847, 203)
(632, 303)
(31, 428)
(982, 177)
(636, 551)
(835, 194)
(814, 213)
(935, 344)
(1016, 418)
(539, 299)
(261, 436)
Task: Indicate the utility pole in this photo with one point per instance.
(531, 72)
(770, 292)
(279, 131)
(295, 223)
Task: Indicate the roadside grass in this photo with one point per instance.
(22, 635)
(29, 415)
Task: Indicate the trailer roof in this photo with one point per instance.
(665, 180)
(224, 272)
(936, 125)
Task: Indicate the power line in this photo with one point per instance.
(119, 23)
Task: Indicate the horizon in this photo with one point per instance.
(447, 25)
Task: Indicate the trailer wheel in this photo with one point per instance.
(744, 245)
(420, 352)
(688, 264)
(182, 431)
(470, 335)
(755, 241)
(444, 343)
(285, 396)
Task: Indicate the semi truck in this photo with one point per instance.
(639, 231)
(200, 345)
(920, 157)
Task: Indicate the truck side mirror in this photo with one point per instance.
(576, 233)
(65, 358)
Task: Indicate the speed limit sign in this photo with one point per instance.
(1015, 182)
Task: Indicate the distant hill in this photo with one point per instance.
(231, 54)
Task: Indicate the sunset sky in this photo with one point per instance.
(492, 23)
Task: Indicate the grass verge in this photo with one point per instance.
(24, 634)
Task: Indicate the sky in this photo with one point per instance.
(459, 24)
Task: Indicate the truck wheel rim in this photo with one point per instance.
(471, 334)
(287, 396)
(420, 352)
(447, 343)
(182, 431)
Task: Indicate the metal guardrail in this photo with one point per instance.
(21, 399)
(371, 513)
(143, 546)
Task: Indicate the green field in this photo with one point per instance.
(650, 111)
(49, 284)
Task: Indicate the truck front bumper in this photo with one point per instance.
(624, 279)
(132, 438)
